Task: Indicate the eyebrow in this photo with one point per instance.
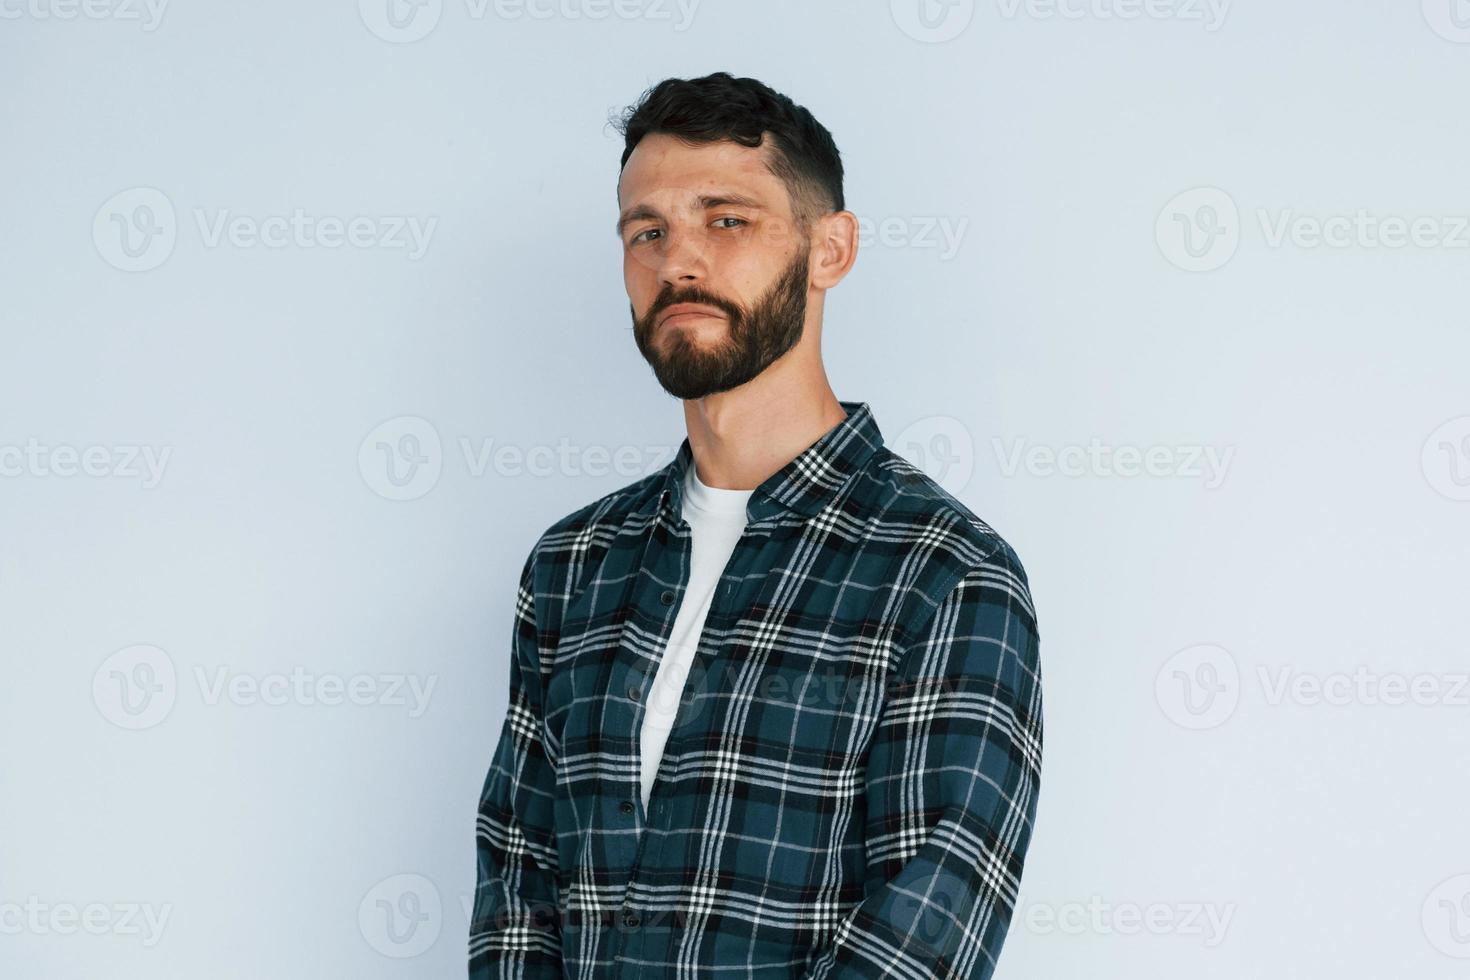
(645, 212)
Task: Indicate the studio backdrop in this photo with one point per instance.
(313, 319)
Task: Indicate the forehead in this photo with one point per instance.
(663, 167)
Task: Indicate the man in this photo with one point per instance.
(774, 710)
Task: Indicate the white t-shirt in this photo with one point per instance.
(716, 519)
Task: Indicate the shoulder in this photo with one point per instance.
(962, 552)
(569, 542)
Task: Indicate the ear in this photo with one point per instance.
(834, 245)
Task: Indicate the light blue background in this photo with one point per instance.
(1052, 147)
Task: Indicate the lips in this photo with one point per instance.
(681, 310)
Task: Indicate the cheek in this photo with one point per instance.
(639, 282)
(746, 277)
(640, 264)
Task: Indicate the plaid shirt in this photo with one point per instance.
(850, 784)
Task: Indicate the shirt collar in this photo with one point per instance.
(807, 482)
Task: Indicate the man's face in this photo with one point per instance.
(713, 261)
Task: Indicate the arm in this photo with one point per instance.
(951, 782)
(514, 926)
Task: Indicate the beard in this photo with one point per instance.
(755, 337)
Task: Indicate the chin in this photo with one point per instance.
(706, 333)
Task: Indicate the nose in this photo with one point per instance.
(682, 261)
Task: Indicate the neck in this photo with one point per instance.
(741, 436)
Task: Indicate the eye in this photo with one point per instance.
(639, 237)
(738, 221)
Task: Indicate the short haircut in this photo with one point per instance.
(721, 107)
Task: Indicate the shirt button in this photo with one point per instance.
(666, 597)
(626, 806)
(630, 919)
(634, 694)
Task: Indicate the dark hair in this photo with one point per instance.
(720, 107)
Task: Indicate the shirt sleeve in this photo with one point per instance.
(515, 929)
(951, 781)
